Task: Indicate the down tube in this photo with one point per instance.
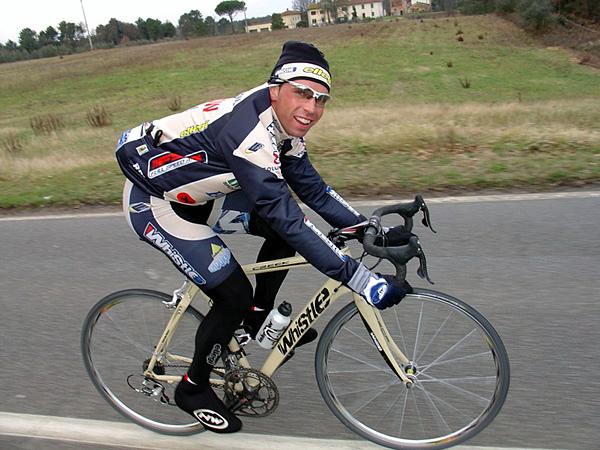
(317, 305)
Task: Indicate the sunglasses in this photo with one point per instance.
(308, 93)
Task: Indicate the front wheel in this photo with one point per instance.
(458, 364)
(118, 338)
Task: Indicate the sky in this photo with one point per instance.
(40, 14)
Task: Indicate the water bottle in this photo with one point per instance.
(274, 325)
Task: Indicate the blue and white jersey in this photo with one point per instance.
(237, 144)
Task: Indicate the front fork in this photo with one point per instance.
(392, 355)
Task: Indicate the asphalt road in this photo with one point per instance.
(531, 267)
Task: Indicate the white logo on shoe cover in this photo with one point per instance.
(211, 419)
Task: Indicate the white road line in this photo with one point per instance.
(362, 203)
(129, 435)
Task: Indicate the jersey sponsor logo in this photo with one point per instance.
(186, 198)
(123, 138)
(215, 194)
(254, 148)
(139, 207)
(142, 149)
(340, 200)
(221, 257)
(194, 129)
(231, 221)
(329, 244)
(211, 419)
(232, 184)
(212, 105)
(310, 314)
(156, 238)
(167, 161)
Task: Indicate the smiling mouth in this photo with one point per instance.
(303, 121)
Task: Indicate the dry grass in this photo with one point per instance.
(438, 128)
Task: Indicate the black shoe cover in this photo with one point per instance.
(203, 404)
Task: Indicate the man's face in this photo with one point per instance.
(296, 113)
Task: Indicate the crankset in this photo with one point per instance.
(249, 392)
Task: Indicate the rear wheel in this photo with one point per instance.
(458, 364)
(117, 341)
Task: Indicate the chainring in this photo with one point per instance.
(249, 392)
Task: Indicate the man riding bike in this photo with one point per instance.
(225, 166)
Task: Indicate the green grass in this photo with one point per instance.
(400, 120)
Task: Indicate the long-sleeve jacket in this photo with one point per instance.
(222, 146)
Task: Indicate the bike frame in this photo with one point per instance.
(316, 306)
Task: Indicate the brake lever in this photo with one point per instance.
(426, 216)
(422, 270)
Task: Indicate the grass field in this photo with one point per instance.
(401, 121)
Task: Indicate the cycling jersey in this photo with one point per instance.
(222, 147)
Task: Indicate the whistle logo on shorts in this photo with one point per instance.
(163, 244)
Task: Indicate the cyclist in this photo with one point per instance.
(225, 166)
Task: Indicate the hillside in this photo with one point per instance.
(402, 118)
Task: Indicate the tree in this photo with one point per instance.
(537, 14)
(69, 33)
(192, 24)
(277, 22)
(211, 25)
(48, 37)
(230, 8)
(28, 40)
(302, 5)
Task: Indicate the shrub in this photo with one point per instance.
(465, 83)
(449, 64)
(174, 103)
(537, 14)
(98, 117)
(12, 144)
(46, 124)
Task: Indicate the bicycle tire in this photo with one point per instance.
(117, 339)
(371, 400)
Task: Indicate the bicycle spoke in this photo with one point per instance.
(383, 369)
(418, 358)
(424, 368)
(451, 348)
(445, 403)
(455, 388)
(436, 410)
(370, 343)
(127, 338)
(404, 346)
(375, 396)
(369, 389)
(487, 379)
(418, 332)
(353, 371)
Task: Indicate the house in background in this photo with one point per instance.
(258, 26)
(420, 6)
(291, 18)
(400, 7)
(346, 11)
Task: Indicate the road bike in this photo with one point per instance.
(427, 374)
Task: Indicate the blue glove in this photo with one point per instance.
(383, 291)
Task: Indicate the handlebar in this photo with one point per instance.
(399, 255)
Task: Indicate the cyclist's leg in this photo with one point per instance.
(268, 284)
(204, 258)
(274, 247)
